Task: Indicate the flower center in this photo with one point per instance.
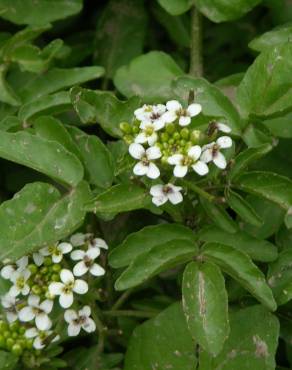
(145, 161)
(167, 189)
(67, 289)
(149, 130)
(215, 150)
(20, 282)
(54, 250)
(186, 161)
(87, 261)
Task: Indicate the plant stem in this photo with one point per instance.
(142, 314)
(122, 299)
(196, 57)
(198, 190)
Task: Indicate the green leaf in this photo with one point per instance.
(213, 101)
(145, 239)
(241, 268)
(244, 210)
(160, 258)
(251, 345)
(280, 126)
(265, 88)
(176, 7)
(38, 12)
(45, 156)
(164, 341)
(225, 10)
(259, 250)
(205, 305)
(123, 26)
(97, 159)
(104, 108)
(39, 215)
(7, 95)
(279, 35)
(57, 79)
(149, 76)
(247, 157)
(268, 185)
(219, 216)
(280, 277)
(120, 198)
(288, 219)
(8, 361)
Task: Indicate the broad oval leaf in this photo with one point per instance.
(279, 35)
(45, 156)
(257, 249)
(37, 216)
(164, 341)
(176, 7)
(241, 268)
(205, 305)
(146, 239)
(7, 94)
(160, 258)
(8, 360)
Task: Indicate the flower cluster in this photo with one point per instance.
(57, 272)
(163, 143)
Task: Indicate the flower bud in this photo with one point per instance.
(36, 289)
(185, 133)
(125, 127)
(195, 136)
(170, 128)
(33, 268)
(164, 137)
(16, 349)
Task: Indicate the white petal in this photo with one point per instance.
(96, 270)
(175, 197)
(31, 333)
(141, 139)
(38, 344)
(93, 252)
(80, 287)
(80, 269)
(85, 311)
(180, 171)
(70, 315)
(77, 239)
(153, 171)
(169, 117)
(66, 300)
(11, 316)
(66, 276)
(194, 152)
(220, 160)
(194, 109)
(174, 188)
(45, 251)
(158, 124)
(175, 159)
(224, 142)
(25, 290)
(99, 243)
(152, 139)
(7, 272)
(153, 153)
(160, 200)
(33, 300)
(26, 274)
(140, 169)
(173, 105)
(43, 322)
(56, 258)
(47, 305)
(136, 150)
(159, 108)
(38, 258)
(224, 128)
(77, 255)
(65, 247)
(26, 314)
(14, 291)
(73, 330)
(56, 288)
(8, 301)
(207, 156)
(184, 120)
(157, 190)
(89, 326)
(201, 168)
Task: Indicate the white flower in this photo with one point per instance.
(10, 305)
(162, 193)
(38, 311)
(222, 127)
(182, 162)
(80, 239)
(8, 270)
(42, 338)
(211, 152)
(150, 113)
(56, 251)
(19, 280)
(145, 166)
(176, 111)
(78, 320)
(87, 262)
(38, 258)
(67, 287)
(148, 134)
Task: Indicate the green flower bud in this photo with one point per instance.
(56, 267)
(125, 127)
(171, 141)
(36, 289)
(6, 334)
(2, 341)
(135, 129)
(3, 326)
(14, 335)
(21, 330)
(182, 143)
(170, 128)
(185, 133)
(164, 159)
(16, 349)
(165, 145)
(9, 343)
(195, 136)
(33, 268)
(48, 261)
(164, 137)
(29, 343)
(55, 277)
(176, 136)
(128, 139)
(44, 270)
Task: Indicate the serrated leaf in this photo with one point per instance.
(146, 239)
(241, 268)
(259, 250)
(160, 258)
(205, 305)
(176, 7)
(252, 342)
(39, 215)
(164, 341)
(279, 35)
(149, 76)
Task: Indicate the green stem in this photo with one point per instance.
(122, 299)
(102, 331)
(196, 57)
(130, 313)
(198, 190)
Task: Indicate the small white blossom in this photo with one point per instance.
(182, 162)
(79, 239)
(223, 127)
(41, 337)
(211, 152)
(79, 320)
(66, 288)
(19, 280)
(37, 311)
(87, 262)
(57, 251)
(149, 134)
(150, 113)
(145, 166)
(162, 193)
(9, 303)
(176, 111)
(38, 258)
(8, 270)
